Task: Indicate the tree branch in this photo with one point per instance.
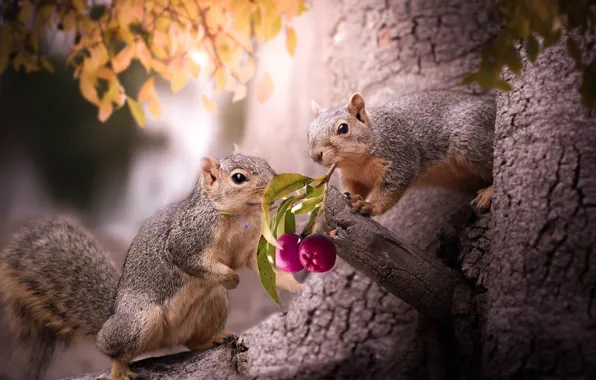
(424, 283)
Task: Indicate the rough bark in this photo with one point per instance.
(541, 317)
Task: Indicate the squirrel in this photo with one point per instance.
(431, 138)
(58, 285)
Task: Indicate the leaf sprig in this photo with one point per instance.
(298, 194)
(172, 39)
(538, 25)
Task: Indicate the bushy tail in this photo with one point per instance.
(56, 284)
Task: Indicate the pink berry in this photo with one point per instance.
(317, 253)
(286, 258)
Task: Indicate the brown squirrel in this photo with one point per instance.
(58, 285)
(431, 138)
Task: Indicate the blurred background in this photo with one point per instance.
(56, 157)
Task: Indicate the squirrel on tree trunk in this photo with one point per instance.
(430, 138)
(58, 285)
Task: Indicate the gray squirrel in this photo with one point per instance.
(430, 138)
(58, 285)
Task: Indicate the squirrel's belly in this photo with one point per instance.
(195, 311)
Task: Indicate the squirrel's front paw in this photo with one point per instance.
(224, 338)
(483, 199)
(231, 281)
(359, 205)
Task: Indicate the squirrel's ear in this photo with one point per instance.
(210, 168)
(236, 149)
(316, 109)
(356, 104)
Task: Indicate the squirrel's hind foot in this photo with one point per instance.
(359, 205)
(484, 198)
(121, 371)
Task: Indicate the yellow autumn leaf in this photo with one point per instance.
(178, 81)
(45, 11)
(194, 68)
(265, 88)
(34, 42)
(122, 60)
(239, 94)
(80, 5)
(143, 54)
(46, 64)
(105, 110)
(136, 111)
(147, 91)
(271, 24)
(289, 8)
(209, 103)
(26, 60)
(291, 41)
(105, 73)
(247, 71)
(302, 6)
(191, 10)
(113, 92)
(87, 86)
(220, 79)
(162, 23)
(155, 108)
(69, 21)
(27, 11)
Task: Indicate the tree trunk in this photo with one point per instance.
(543, 276)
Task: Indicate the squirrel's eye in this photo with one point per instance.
(238, 178)
(342, 129)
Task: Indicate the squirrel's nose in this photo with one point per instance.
(317, 156)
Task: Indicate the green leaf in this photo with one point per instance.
(502, 85)
(511, 58)
(313, 197)
(468, 79)
(313, 217)
(551, 39)
(486, 76)
(532, 48)
(226, 213)
(283, 208)
(315, 191)
(280, 225)
(271, 255)
(266, 272)
(519, 27)
(280, 186)
(290, 223)
(307, 205)
(574, 51)
(136, 111)
(266, 230)
(304, 190)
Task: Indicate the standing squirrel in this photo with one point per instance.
(58, 285)
(433, 138)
